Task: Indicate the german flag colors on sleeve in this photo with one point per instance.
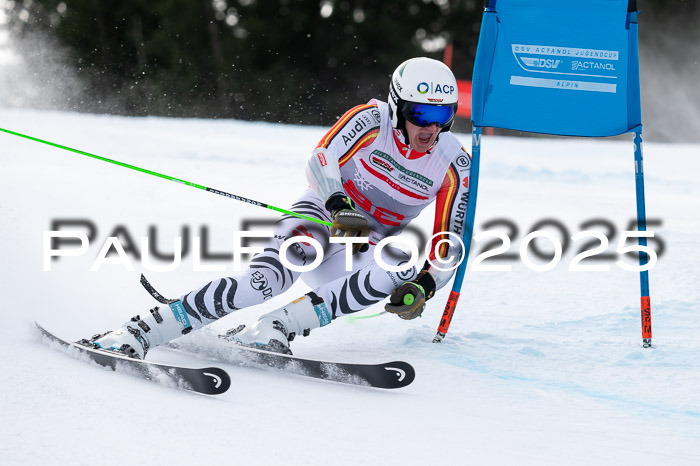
(450, 208)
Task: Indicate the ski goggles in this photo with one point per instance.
(426, 114)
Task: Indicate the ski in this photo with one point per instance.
(390, 375)
(395, 374)
(207, 380)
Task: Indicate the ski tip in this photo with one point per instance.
(216, 381)
(399, 374)
(41, 330)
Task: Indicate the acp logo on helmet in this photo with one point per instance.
(434, 88)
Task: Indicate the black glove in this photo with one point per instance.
(408, 300)
(347, 222)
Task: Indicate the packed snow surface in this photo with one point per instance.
(537, 368)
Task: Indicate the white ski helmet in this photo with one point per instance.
(422, 91)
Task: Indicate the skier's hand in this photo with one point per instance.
(347, 222)
(408, 300)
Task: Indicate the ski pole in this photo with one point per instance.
(160, 175)
(354, 318)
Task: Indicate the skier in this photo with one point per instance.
(373, 172)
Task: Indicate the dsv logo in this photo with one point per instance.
(541, 62)
(259, 282)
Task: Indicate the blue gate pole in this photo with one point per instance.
(642, 226)
(467, 237)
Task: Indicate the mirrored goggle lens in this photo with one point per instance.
(425, 114)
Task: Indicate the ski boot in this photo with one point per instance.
(137, 336)
(273, 331)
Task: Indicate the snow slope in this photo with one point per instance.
(538, 367)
